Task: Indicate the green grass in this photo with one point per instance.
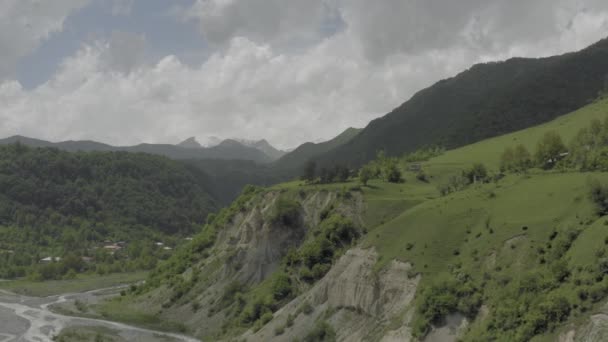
(81, 283)
(115, 310)
(483, 218)
(88, 334)
(489, 151)
(593, 239)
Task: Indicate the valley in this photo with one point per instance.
(476, 211)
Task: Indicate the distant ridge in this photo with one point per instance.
(190, 143)
(228, 151)
(303, 153)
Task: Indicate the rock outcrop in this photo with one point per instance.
(359, 302)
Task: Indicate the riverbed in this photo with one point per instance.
(29, 319)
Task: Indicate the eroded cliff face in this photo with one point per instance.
(356, 300)
(595, 329)
(247, 250)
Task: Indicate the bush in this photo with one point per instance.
(443, 298)
(478, 173)
(281, 287)
(289, 321)
(306, 308)
(256, 310)
(598, 193)
(322, 332)
(280, 330)
(286, 212)
(421, 176)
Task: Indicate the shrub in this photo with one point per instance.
(280, 330)
(598, 193)
(306, 308)
(478, 173)
(289, 321)
(281, 287)
(421, 176)
(286, 211)
(322, 332)
(443, 298)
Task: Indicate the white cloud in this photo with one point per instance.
(122, 7)
(249, 91)
(24, 24)
(265, 21)
(124, 51)
(252, 87)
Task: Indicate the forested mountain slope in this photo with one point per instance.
(296, 159)
(53, 203)
(485, 101)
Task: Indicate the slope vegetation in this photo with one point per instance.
(485, 101)
(59, 204)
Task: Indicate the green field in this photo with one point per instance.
(79, 284)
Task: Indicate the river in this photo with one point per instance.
(28, 319)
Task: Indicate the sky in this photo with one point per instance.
(289, 71)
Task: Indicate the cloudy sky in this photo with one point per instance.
(131, 71)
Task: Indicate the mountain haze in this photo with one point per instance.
(188, 149)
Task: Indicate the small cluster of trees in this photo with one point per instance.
(337, 174)
(478, 173)
(423, 154)
(384, 167)
(550, 150)
(516, 159)
(588, 151)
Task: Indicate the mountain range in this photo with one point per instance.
(229, 149)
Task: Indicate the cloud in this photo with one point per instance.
(124, 51)
(249, 90)
(122, 7)
(24, 24)
(267, 21)
(287, 83)
(391, 27)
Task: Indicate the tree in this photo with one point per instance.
(549, 150)
(341, 173)
(507, 159)
(391, 172)
(389, 168)
(478, 173)
(599, 195)
(365, 174)
(310, 171)
(522, 160)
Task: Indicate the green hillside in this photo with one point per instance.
(485, 101)
(521, 255)
(69, 205)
